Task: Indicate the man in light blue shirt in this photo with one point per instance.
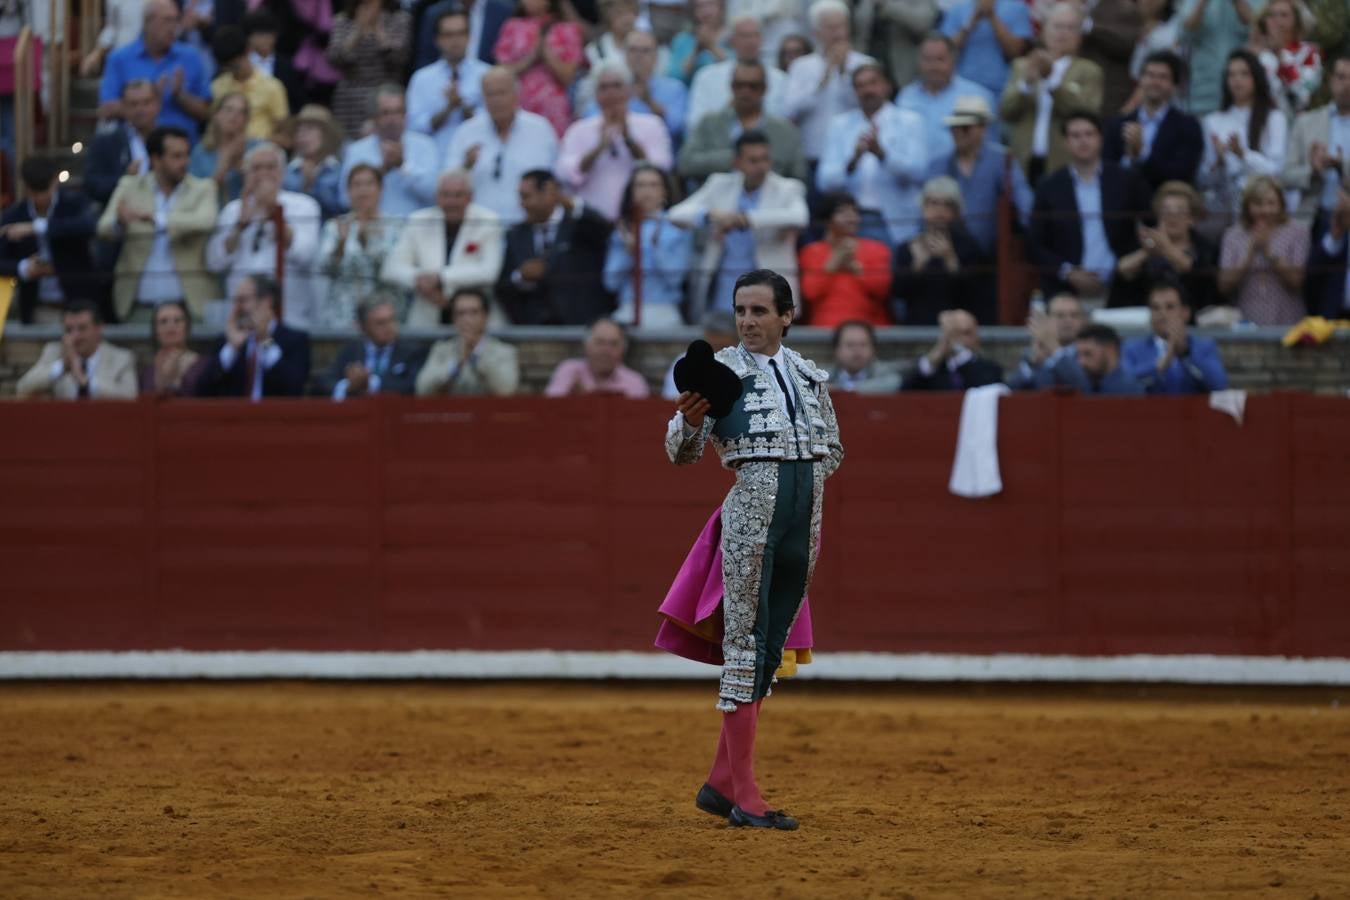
(445, 93)
(933, 94)
(877, 154)
(173, 67)
(651, 93)
(988, 34)
(408, 160)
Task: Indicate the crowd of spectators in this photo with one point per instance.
(617, 163)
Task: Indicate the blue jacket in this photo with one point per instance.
(1199, 372)
(1063, 370)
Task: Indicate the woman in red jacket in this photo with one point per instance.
(844, 277)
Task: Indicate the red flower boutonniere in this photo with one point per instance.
(471, 247)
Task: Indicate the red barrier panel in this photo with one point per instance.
(1126, 526)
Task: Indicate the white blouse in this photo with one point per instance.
(1266, 159)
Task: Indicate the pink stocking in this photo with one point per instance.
(739, 728)
(720, 776)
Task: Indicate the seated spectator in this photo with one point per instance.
(219, 155)
(408, 160)
(454, 244)
(81, 366)
(1329, 289)
(856, 368)
(711, 92)
(314, 169)
(471, 363)
(246, 236)
(352, 250)
(665, 252)
(44, 243)
(267, 103)
(553, 270)
(261, 29)
(1245, 138)
(942, 267)
(445, 94)
(702, 44)
(710, 148)
(954, 363)
(653, 94)
(486, 18)
(501, 146)
(1172, 360)
(845, 277)
(977, 164)
(597, 154)
(1174, 251)
(1096, 366)
(173, 67)
(1261, 262)
(1157, 139)
(719, 330)
(1083, 219)
(378, 362)
(544, 53)
(1053, 333)
(1045, 88)
(258, 356)
(369, 44)
(1293, 66)
(1319, 149)
(601, 371)
(752, 217)
(933, 95)
(118, 148)
(176, 367)
(876, 153)
(820, 85)
(1111, 31)
(163, 220)
(793, 48)
(987, 37)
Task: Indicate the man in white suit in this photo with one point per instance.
(1319, 148)
(81, 366)
(453, 245)
(751, 218)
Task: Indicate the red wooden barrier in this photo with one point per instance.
(1126, 526)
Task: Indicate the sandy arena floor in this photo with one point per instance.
(279, 790)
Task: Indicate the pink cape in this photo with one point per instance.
(693, 606)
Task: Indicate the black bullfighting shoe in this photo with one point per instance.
(711, 800)
(774, 818)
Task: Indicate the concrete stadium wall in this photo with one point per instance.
(1255, 359)
(1127, 526)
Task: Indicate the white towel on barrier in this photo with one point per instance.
(1233, 402)
(975, 470)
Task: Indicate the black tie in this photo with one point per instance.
(787, 395)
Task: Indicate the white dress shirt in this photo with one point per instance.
(531, 143)
(426, 98)
(710, 92)
(256, 253)
(90, 365)
(159, 279)
(892, 185)
(813, 107)
(1266, 159)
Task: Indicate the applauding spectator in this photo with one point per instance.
(601, 370)
(408, 160)
(1213, 29)
(544, 53)
(935, 93)
(856, 367)
(657, 95)
(845, 278)
(702, 44)
(1319, 148)
(711, 90)
(445, 94)
(172, 67)
(1173, 251)
(119, 147)
(988, 35)
(219, 156)
(258, 356)
(267, 103)
(1157, 139)
(820, 85)
(314, 170)
(378, 362)
(1293, 66)
(954, 363)
(942, 266)
(711, 146)
(1261, 263)
(978, 166)
(1053, 333)
(471, 363)
(1172, 360)
(81, 366)
(1327, 264)
(665, 249)
(176, 368)
(369, 45)
(1245, 138)
(352, 251)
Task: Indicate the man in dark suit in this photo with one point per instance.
(119, 146)
(258, 356)
(1084, 217)
(379, 362)
(261, 27)
(1157, 140)
(44, 243)
(491, 13)
(954, 363)
(553, 267)
(1172, 360)
(1096, 368)
(1328, 282)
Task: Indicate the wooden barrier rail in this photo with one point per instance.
(1126, 526)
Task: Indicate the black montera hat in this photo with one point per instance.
(700, 372)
